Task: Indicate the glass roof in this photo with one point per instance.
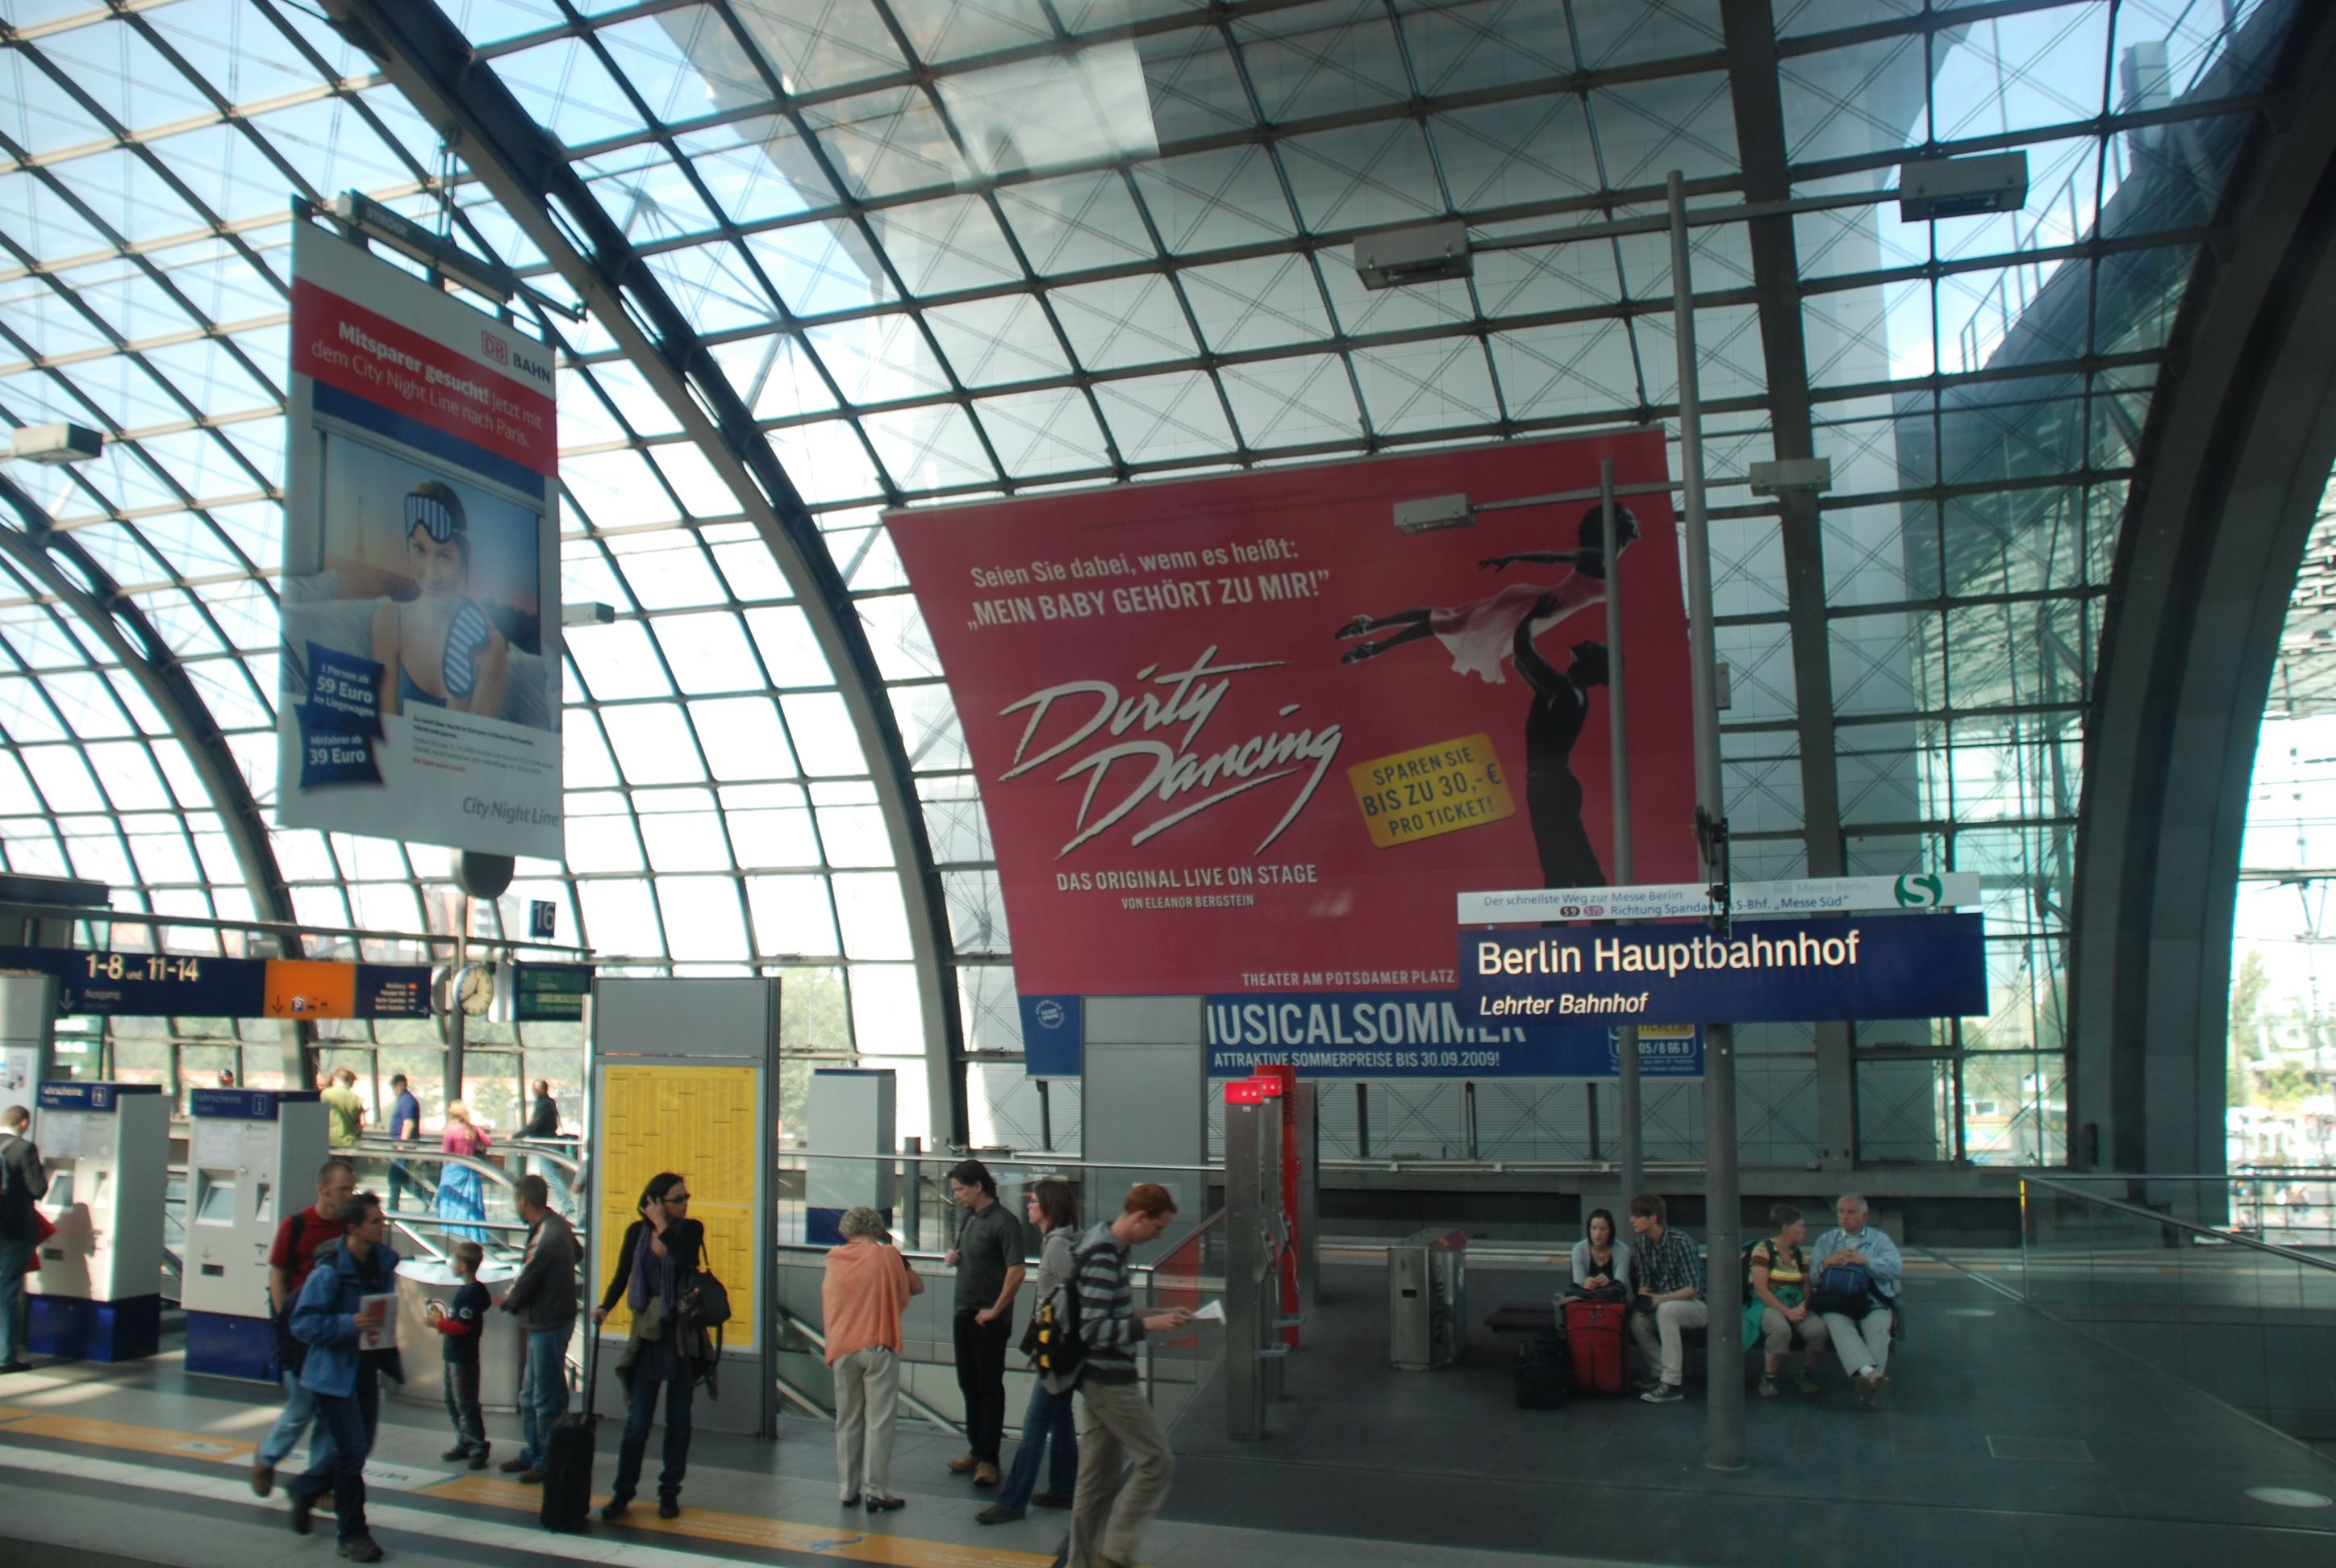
(943, 248)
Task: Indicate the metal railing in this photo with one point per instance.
(1169, 1373)
(2249, 1322)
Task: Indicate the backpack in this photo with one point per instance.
(291, 1354)
(1060, 1349)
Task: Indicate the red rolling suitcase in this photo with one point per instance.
(1593, 1333)
(567, 1454)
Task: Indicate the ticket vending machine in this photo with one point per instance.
(98, 1293)
(252, 1158)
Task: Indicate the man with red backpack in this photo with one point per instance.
(290, 1261)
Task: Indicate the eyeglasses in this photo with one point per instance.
(677, 1197)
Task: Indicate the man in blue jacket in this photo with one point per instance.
(331, 1317)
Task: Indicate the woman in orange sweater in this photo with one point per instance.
(867, 1287)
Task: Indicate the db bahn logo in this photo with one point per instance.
(1920, 892)
(494, 348)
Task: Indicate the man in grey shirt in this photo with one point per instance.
(987, 1257)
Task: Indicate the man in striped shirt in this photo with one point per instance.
(1117, 1431)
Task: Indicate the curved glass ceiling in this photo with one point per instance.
(954, 247)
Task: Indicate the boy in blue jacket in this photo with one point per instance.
(330, 1318)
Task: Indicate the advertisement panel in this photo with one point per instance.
(420, 689)
(1242, 737)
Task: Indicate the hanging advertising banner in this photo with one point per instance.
(1245, 738)
(420, 689)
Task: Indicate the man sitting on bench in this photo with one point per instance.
(1669, 1299)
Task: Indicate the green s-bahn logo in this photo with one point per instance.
(1920, 892)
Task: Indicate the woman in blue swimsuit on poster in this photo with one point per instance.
(445, 652)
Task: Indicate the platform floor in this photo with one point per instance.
(2005, 1436)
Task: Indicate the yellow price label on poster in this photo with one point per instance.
(1431, 791)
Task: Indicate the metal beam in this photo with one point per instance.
(1752, 85)
(429, 60)
(2234, 459)
(122, 627)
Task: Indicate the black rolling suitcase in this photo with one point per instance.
(568, 1456)
(1543, 1374)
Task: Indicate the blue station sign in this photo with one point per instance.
(1927, 966)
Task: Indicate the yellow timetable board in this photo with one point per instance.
(699, 1122)
(1431, 790)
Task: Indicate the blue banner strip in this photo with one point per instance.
(367, 415)
(1366, 1035)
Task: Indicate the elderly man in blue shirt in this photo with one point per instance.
(1858, 1319)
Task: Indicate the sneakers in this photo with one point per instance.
(1869, 1386)
(1768, 1386)
(963, 1465)
(985, 1473)
(361, 1548)
(1354, 628)
(997, 1513)
(263, 1477)
(1664, 1394)
(1804, 1381)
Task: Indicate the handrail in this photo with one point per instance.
(418, 1239)
(946, 1157)
(389, 1149)
(2208, 1232)
(819, 1339)
(910, 1255)
(2237, 1173)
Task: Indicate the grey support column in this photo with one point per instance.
(1145, 1067)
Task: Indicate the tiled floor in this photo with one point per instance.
(2005, 1436)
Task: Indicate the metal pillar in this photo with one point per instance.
(1253, 1242)
(1723, 1288)
(1304, 1127)
(1630, 1159)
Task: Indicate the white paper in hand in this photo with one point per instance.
(1214, 1312)
(382, 1336)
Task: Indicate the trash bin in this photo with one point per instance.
(1427, 1299)
(501, 1349)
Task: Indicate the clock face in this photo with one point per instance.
(475, 989)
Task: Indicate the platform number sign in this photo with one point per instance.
(543, 920)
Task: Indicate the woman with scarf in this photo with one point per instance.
(660, 1250)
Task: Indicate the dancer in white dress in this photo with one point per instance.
(1480, 635)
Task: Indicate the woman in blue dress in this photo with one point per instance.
(461, 1195)
(440, 646)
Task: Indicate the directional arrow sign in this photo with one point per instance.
(1673, 901)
